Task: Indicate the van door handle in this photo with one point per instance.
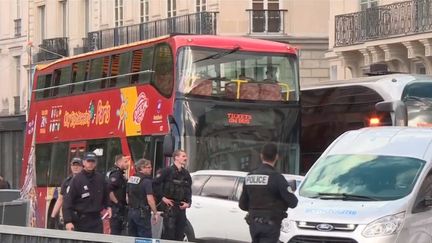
(197, 205)
(234, 210)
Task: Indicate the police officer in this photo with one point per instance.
(173, 185)
(266, 197)
(86, 196)
(75, 167)
(117, 187)
(141, 200)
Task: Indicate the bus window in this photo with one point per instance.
(140, 147)
(43, 81)
(61, 78)
(163, 80)
(59, 166)
(142, 62)
(106, 150)
(120, 66)
(96, 74)
(79, 74)
(417, 97)
(43, 156)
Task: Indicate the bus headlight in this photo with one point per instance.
(387, 225)
(285, 225)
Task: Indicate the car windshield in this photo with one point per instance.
(362, 177)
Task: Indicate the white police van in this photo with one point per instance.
(370, 185)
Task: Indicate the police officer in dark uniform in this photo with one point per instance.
(266, 197)
(141, 200)
(173, 186)
(75, 167)
(86, 196)
(117, 187)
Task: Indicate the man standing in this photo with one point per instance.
(75, 167)
(173, 185)
(86, 196)
(141, 200)
(117, 187)
(265, 196)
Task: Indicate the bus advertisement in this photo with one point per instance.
(218, 98)
(332, 108)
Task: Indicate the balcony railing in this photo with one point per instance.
(198, 23)
(392, 20)
(52, 49)
(266, 21)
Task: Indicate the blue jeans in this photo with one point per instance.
(139, 225)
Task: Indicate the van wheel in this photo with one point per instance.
(189, 233)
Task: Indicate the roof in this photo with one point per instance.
(224, 42)
(411, 142)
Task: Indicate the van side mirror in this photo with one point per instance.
(292, 185)
(427, 202)
(168, 145)
(398, 108)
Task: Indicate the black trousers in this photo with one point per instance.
(174, 224)
(91, 223)
(264, 232)
(117, 220)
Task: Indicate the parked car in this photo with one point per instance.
(214, 214)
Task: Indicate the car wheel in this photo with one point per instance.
(189, 233)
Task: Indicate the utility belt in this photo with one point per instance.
(143, 210)
(77, 216)
(261, 220)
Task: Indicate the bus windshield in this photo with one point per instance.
(237, 74)
(418, 100)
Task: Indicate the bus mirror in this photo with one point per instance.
(168, 145)
(398, 108)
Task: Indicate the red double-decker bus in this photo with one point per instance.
(219, 98)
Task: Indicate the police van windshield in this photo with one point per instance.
(362, 177)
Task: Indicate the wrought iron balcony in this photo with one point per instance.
(197, 23)
(52, 49)
(266, 21)
(386, 21)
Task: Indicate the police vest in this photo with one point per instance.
(137, 196)
(120, 193)
(175, 186)
(263, 198)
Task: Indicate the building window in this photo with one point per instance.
(87, 16)
(18, 74)
(171, 8)
(365, 4)
(17, 27)
(201, 6)
(118, 8)
(42, 33)
(333, 72)
(266, 16)
(144, 11)
(64, 17)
